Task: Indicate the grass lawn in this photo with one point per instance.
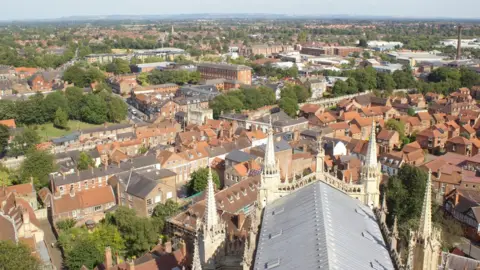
(48, 131)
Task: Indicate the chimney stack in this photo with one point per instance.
(459, 42)
(108, 258)
(131, 264)
(168, 247)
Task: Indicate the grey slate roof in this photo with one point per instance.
(224, 66)
(319, 227)
(140, 186)
(281, 145)
(239, 156)
(69, 137)
(136, 163)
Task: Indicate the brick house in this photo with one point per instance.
(425, 119)
(46, 81)
(459, 145)
(432, 139)
(388, 140)
(143, 190)
(82, 206)
(240, 73)
(123, 84)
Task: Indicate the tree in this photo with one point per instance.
(37, 164)
(52, 103)
(289, 106)
(302, 37)
(302, 93)
(4, 137)
(398, 126)
(66, 224)
(411, 112)
(94, 109)
(403, 79)
(83, 252)
(119, 66)
(23, 142)
(61, 119)
(140, 234)
(17, 257)
(363, 43)
(163, 211)
(85, 161)
(74, 97)
(116, 109)
(366, 55)
(385, 81)
(340, 88)
(468, 77)
(199, 179)
(405, 193)
(443, 74)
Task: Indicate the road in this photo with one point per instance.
(49, 237)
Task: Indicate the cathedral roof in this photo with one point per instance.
(320, 227)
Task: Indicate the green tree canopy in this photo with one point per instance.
(17, 257)
(61, 119)
(199, 179)
(163, 211)
(85, 161)
(385, 81)
(4, 137)
(119, 66)
(94, 109)
(74, 97)
(405, 193)
(37, 164)
(140, 234)
(289, 106)
(52, 103)
(23, 142)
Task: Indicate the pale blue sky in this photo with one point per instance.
(41, 9)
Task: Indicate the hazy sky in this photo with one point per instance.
(40, 9)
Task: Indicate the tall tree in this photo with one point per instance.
(140, 234)
(38, 165)
(4, 137)
(199, 180)
(94, 109)
(289, 106)
(119, 66)
(17, 257)
(116, 109)
(74, 97)
(61, 119)
(23, 142)
(85, 161)
(385, 81)
(52, 103)
(83, 253)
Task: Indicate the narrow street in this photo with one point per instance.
(49, 238)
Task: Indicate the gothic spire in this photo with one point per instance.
(210, 218)
(196, 263)
(270, 165)
(425, 228)
(371, 160)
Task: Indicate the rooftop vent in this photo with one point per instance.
(272, 264)
(275, 235)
